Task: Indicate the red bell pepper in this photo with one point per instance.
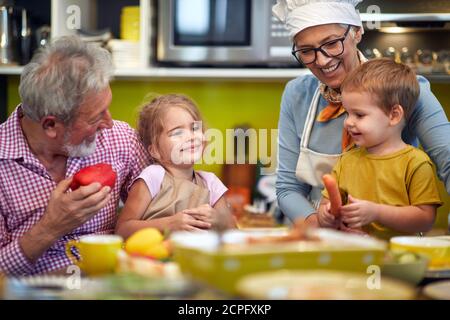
(101, 172)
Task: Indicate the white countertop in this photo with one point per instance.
(256, 74)
(194, 73)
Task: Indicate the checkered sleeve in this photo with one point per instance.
(138, 161)
(12, 258)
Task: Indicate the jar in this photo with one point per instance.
(442, 61)
(424, 60)
(372, 53)
(130, 23)
(407, 58)
(391, 53)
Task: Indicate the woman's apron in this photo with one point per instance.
(175, 195)
(312, 165)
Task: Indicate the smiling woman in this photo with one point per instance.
(329, 58)
(325, 35)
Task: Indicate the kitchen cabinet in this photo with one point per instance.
(63, 13)
(390, 13)
(90, 15)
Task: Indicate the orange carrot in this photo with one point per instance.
(333, 194)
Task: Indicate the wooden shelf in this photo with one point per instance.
(212, 73)
(11, 70)
(401, 17)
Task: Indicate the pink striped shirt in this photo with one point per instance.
(25, 187)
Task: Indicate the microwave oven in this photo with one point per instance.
(221, 33)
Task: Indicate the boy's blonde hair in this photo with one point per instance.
(389, 83)
(150, 124)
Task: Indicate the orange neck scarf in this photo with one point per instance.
(332, 111)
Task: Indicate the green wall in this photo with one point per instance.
(224, 104)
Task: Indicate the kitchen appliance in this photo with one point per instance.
(221, 33)
(16, 36)
(8, 43)
(24, 37)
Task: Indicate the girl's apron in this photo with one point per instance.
(177, 194)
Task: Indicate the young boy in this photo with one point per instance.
(387, 187)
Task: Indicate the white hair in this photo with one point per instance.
(60, 75)
(352, 29)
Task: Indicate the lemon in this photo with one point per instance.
(407, 258)
(157, 251)
(142, 240)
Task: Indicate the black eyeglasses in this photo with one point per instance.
(329, 49)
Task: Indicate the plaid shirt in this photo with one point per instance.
(25, 187)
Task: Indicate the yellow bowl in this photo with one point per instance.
(437, 250)
(199, 255)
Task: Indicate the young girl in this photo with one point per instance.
(169, 194)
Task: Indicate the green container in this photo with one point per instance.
(222, 268)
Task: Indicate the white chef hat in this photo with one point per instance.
(301, 14)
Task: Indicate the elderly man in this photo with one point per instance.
(62, 125)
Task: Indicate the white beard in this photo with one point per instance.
(82, 150)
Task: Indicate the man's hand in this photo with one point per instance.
(359, 213)
(65, 212)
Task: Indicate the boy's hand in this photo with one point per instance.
(350, 230)
(358, 213)
(325, 218)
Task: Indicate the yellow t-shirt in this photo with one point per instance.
(403, 178)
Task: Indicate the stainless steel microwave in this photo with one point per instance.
(221, 33)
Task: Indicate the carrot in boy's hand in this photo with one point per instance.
(333, 193)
